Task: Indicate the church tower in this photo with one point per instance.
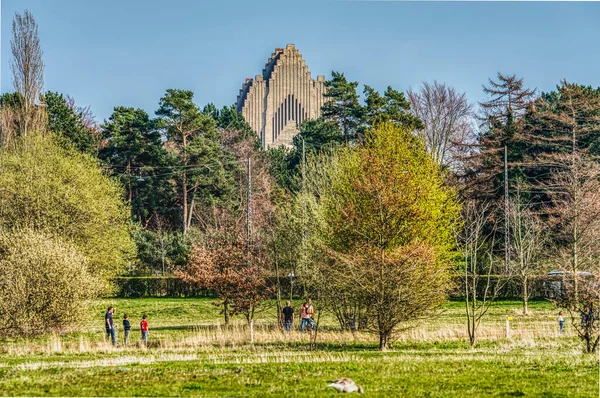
(278, 101)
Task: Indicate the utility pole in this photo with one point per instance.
(249, 211)
(506, 223)
(303, 256)
(303, 168)
(303, 193)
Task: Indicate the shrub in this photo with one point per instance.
(45, 283)
(63, 193)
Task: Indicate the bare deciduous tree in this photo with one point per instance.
(448, 119)
(575, 215)
(477, 245)
(529, 238)
(391, 288)
(27, 67)
(88, 119)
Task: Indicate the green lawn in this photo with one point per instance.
(192, 355)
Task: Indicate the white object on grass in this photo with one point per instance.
(346, 385)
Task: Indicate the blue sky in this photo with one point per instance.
(128, 52)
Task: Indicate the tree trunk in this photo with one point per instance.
(130, 195)
(525, 297)
(588, 343)
(383, 341)
(277, 283)
(191, 211)
(595, 345)
(26, 116)
(473, 340)
(162, 251)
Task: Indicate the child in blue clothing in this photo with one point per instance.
(126, 328)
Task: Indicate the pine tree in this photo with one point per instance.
(342, 105)
(67, 123)
(502, 113)
(202, 171)
(134, 153)
(392, 107)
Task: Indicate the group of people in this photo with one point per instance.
(306, 312)
(111, 327)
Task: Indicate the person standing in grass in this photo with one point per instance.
(307, 311)
(144, 329)
(109, 325)
(126, 328)
(288, 316)
(561, 322)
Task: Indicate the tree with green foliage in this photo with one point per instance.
(66, 194)
(282, 169)
(229, 118)
(342, 105)
(10, 99)
(162, 250)
(317, 135)
(314, 137)
(233, 250)
(343, 120)
(134, 152)
(562, 122)
(67, 123)
(202, 165)
(502, 114)
(389, 230)
(391, 107)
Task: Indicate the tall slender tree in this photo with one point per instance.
(501, 117)
(342, 106)
(181, 119)
(497, 164)
(27, 68)
(202, 164)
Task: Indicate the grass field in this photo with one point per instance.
(191, 354)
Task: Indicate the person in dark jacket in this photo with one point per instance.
(288, 316)
(108, 324)
(126, 328)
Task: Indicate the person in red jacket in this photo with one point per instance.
(144, 329)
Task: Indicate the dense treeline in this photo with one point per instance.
(373, 209)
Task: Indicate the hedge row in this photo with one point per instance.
(157, 287)
(540, 287)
